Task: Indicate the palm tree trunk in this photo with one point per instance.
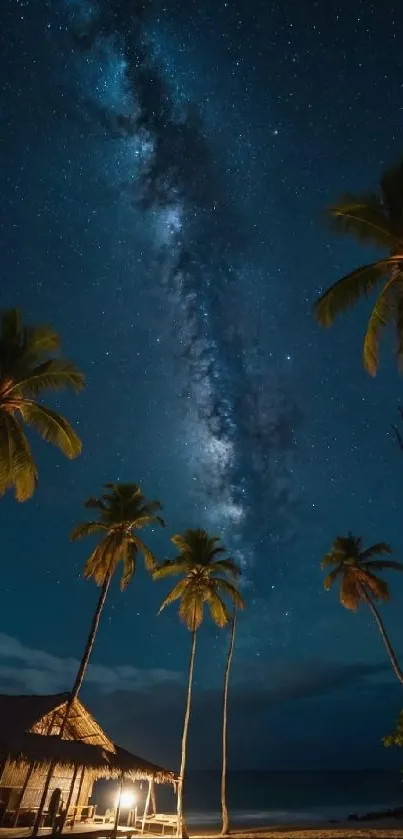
(181, 829)
(382, 630)
(89, 645)
(224, 808)
(76, 688)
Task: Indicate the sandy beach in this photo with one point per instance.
(385, 830)
(325, 831)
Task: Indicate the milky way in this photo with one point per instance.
(238, 423)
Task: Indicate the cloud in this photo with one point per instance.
(39, 671)
(36, 671)
(290, 681)
(143, 709)
(274, 713)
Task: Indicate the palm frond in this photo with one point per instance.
(129, 564)
(347, 291)
(144, 521)
(17, 466)
(218, 550)
(349, 592)
(172, 568)
(377, 549)
(378, 588)
(383, 565)
(191, 609)
(364, 218)
(329, 559)
(94, 504)
(175, 594)
(102, 559)
(230, 590)
(52, 427)
(149, 559)
(86, 528)
(381, 317)
(227, 566)
(39, 341)
(218, 609)
(330, 578)
(150, 508)
(55, 374)
(180, 542)
(349, 545)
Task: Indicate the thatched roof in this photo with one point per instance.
(41, 750)
(134, 766)
(21, 742)
(20, 714)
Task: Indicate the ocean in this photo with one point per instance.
(274, 797)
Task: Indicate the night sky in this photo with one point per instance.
(165, 167)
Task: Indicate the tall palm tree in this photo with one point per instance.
(28, 368)
(358, 583)
(122, 510)
(377, 219)
(204, 580)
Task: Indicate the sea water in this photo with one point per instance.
(273, 797)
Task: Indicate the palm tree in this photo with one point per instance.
(27, 369)
(358, 582)
(122, 510)
(375, 218)
(204, 574)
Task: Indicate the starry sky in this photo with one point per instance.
(165, 166)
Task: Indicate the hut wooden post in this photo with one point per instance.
(38, 817)
(52, 765)
(2, 768)
(69, 797)
(117, 814)
(80, 786)
(23, 791)
(146, 806)
(153, 801)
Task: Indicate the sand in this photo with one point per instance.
(383, 830)
(388, 830)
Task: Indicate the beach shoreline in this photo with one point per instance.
(391, 829)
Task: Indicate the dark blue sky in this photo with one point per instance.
(179, 256)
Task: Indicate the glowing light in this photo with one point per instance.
(126, 799)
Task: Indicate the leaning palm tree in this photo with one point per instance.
(122, 511)
(204, 574)
(377, 219)
(224, 807)
(358, 583)
(27, 369)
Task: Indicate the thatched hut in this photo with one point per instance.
(30, 742)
